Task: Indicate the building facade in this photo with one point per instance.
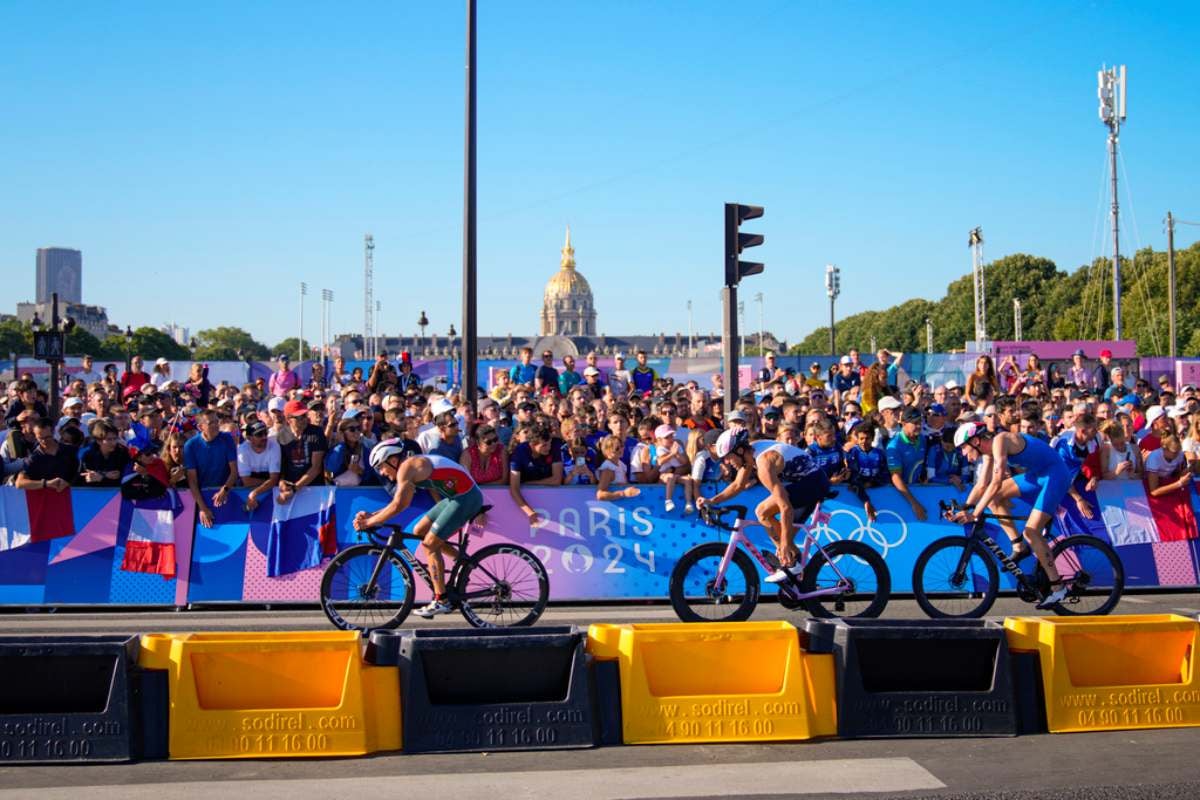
(93, 319)
(59, 269)
(567, 308)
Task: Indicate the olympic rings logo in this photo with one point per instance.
(863, 529)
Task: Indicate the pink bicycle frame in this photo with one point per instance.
(736, 537)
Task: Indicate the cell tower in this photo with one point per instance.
(1111, 91)
(975, 242)
(369, 297)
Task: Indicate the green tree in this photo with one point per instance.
(15, 337)
(150, 344)
(288, 346)
(80, 342)
(223, 344)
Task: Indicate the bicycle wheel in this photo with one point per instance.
(695, 595)
(855, 568)
(348, 603)
(502, 586)
(955, 577)
(1094, 572)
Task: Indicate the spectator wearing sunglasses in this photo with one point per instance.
(443, 438)
(546, 377)
(349, 462)
(484, 458)
(258, 459)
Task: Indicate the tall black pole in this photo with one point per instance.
(832, 331)
(729, 346)
(56, 358)
(1171, 281)
(470, 334)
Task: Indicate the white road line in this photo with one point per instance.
(851, 776)
(1137, 600)
(1187, 610)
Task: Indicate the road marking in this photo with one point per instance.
(1137, 600)
(853, 776)
(1187, 610)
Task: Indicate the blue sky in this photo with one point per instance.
(208, 157)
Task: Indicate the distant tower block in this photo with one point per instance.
(369, 296)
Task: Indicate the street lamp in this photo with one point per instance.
(833, 288)
(49, 345)
(128, 348)
(422, 323)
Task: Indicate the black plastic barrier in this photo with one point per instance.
(919, 678)
(79, 698)
(484, 690)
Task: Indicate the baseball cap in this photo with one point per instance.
(937, 409)
(255, 428)
(664, 431)
(295, 408)
(1179, 409)
(815, 365)
(846, 360)
(1163, 379)
(275, 404)
(735, 416)
(888, 402)
(440, 406)
(1130, 399)
(284, 357)
(710, 437)
(619, 356)
(160, 361)
(910, 415)
(353, 413)
(951, 385)
(129, 392)
(1106, 353)
(149, 388)
(1153, 413)
(772, 411)
(1079, 352)
(591, 371)
(315, 405)
(71, 402)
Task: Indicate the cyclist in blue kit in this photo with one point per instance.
(794, 482)
(1043, 484)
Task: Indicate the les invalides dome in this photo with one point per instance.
(567, 308)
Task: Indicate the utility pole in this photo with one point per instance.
(368, 296)
(742, 323)
(758, 298)
(1016, 320)
(735, 269)
(1171, 282)
(833, 288)
(1111, 91)
(975, 242)
(928, 335)
(470, 332)
(300, 341)
(326, 328)
(691, 338)
(377, 347)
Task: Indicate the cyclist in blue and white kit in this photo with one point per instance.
(1043, 484)
(793, 480)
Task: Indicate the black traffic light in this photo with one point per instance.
(736, 242)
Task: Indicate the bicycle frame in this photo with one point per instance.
(737, 536)
(394, 544)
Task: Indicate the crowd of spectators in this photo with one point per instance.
(550, 424)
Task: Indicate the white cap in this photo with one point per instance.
(71, 402)
(440, 406)
(889, 402)
(1176, 411)
(847, 360)
(275, 404)
(1153, 413)
(591, 371)
(951, 384)
(158, 362)
(619, 355)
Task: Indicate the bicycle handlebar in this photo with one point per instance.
(949, 511)
(712, 515)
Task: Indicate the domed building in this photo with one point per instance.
(567, 308)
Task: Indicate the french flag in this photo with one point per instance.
(34, 515)
(150, 545)
(303, 531)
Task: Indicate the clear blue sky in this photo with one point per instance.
(208, 157)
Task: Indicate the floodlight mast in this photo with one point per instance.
(1111, 92)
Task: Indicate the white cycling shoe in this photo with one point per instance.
(434, 608)
(1055, 597)
(780, 575)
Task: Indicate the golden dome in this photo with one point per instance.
(567, 282)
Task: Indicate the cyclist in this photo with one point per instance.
(457, 498)
(1043, 484)
(795, 484)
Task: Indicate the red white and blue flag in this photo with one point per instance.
(303, 531)
(150, 544)
(34, 515)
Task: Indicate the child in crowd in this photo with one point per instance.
(868, 465)
(579, 474)
(1120, 459)
(673, 468)
(702, 452)
(612, 472)
(826, 453)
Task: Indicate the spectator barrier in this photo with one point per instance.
(1114, 673)
(274, 695)
(79, 699)
(919, 678)
(488, 690)
(717, 682)
(75, 553)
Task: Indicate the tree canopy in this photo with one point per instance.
(223, 344)
(1054, 305)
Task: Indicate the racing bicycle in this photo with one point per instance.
(957, 576)
(369, 586)
(717, 582)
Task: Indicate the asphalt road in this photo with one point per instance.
(1124, 764)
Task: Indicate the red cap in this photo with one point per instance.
(294, 408)
(405, 356)
(129, 392)
(1106, 353)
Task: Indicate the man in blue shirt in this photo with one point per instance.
(568, 378)
(210, 460)
(906, 458)
(525, 371)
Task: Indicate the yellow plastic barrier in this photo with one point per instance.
(1114, 673)
(274, 695)
(717, 682)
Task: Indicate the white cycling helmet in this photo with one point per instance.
(385, 450)
(967, 431)
(731, 440)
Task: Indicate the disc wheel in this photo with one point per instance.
(857, 570)
(697, 597)
(502, 586)
(955, 578)
(348, 601)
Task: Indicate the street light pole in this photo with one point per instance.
(691, 341)
(758, 297)
(470, 334)
(300, 341)
(833, 288)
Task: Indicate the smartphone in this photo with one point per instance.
(580, 461)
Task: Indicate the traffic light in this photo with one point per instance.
(736, 242)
